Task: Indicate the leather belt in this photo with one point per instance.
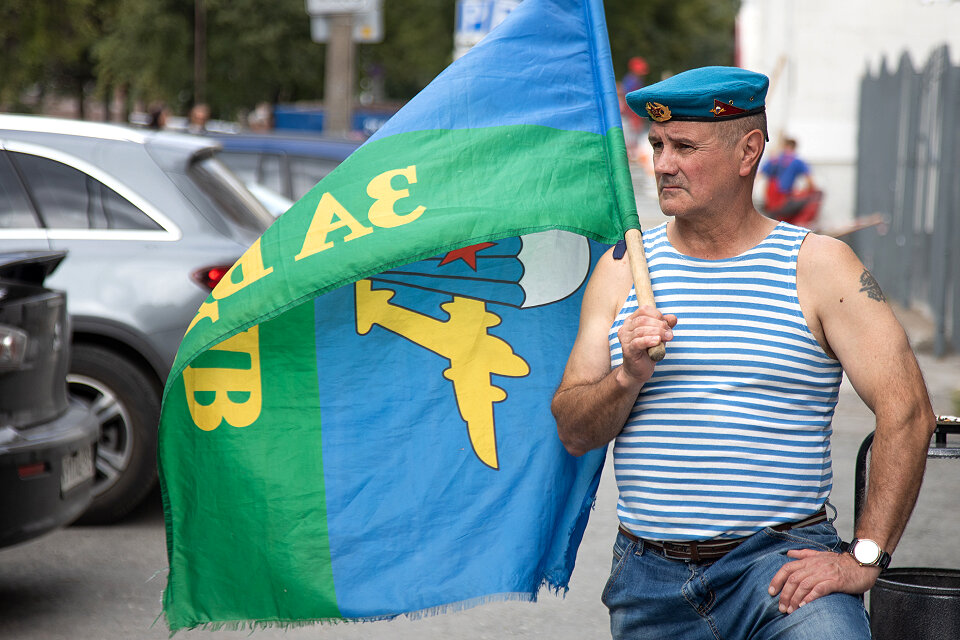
(709, 551)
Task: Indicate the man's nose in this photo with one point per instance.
(665, 162)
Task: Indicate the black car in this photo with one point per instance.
(47, 438)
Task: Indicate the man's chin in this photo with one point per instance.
(670, 204)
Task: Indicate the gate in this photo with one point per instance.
(908, 170)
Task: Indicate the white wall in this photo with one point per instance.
(815, 53)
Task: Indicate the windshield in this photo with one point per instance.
(229, 193)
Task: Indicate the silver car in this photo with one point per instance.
(150, 221)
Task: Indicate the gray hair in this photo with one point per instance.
(731, 131)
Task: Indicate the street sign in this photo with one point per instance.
(476, 18)
(367, 27)
(326, 7)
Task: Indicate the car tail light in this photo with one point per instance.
(30, 470)
(209, 277)
(13, 347)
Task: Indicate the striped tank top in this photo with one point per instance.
(732, 432)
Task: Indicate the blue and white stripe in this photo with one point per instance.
(732, 432)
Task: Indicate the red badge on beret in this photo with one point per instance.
(720, 109)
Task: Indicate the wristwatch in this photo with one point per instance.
(868, 553)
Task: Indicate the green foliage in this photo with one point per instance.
(672, 36)
(260, 50)
(148, 47)
(417, 45)
(46, 41)
(257, 50)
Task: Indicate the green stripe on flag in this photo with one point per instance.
(257, 548)
(414, 195)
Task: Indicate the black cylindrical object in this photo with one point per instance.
(917, 604)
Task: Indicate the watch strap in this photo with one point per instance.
(883, 561)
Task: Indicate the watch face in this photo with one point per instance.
(866, 551)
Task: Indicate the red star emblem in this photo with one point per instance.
(467, 254)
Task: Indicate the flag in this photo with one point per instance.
(357, 424)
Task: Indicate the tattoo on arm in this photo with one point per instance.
(869, 285)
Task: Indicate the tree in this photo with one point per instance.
(417, 45)
(257, 50)
(260, 50)
(47, 44)
(672, 36)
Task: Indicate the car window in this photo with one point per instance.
(120, 213)
(307, 172)
(15, 209)
(60, 192)
(242, 164)
(262, 168)
(68, 198)
(270, 174)
(231, 197)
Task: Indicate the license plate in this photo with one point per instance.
(77, 467)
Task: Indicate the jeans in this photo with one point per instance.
(650, 596)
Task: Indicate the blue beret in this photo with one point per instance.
(704, 94)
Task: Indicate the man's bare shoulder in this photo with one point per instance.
(611, 279)
(824, 255)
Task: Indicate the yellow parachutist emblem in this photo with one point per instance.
(463, 339)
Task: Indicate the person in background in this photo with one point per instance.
(158, 117)
(634, 126)
(261, 118)
(199, 115)
(790, 193)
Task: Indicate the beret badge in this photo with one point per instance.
(720, 109)
(658, 112)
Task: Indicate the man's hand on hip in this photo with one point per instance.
(813, 574)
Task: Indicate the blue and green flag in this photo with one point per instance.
(357, 424)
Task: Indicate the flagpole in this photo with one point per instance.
(641, 281)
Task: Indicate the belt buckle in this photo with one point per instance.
(675, 551)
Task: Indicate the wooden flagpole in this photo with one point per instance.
(641, 282)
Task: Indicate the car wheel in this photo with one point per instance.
(127, 405)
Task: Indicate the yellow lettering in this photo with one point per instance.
(323, 223)
(251, 269)
(207, 310)
(382, 211)
(209, 389)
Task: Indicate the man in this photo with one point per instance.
(722, 451)
(790, 194)
(199, 115)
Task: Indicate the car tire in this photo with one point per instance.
(127, 404)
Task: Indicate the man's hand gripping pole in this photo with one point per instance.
(641, 281)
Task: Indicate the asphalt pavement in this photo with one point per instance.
(105, 583)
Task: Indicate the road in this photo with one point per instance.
(105, 583)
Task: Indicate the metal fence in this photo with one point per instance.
(908, 171)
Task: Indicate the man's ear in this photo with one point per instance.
(751, 148)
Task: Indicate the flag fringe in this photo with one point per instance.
(429, 612)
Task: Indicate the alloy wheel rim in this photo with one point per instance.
(115, 443)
